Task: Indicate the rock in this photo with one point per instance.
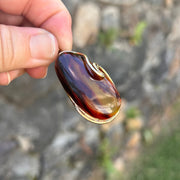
(110, 18)
(134, 124)
(87, 22)
(115, 136)
(6, 147)
(28, 131)
(148, 134)
(119, 164)
(97, 173)
(61, 141)
(20, 165)
(155, 130)
(92, 136)
(156, 2)
(31, 90)
(120, 2)
(158, 21)
(169, 3)
(175, 64)
(130, 155)
(25, 143)
(122, 46)
(175, 33)
(25, 165)
(134, 140)
(71, 5)
(58, 152)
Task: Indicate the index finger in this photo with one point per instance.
(51, 15)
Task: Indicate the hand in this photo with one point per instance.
(31, 33)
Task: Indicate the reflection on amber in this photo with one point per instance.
(88, 86)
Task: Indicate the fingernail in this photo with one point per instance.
(43, 46)
(9, 78)
(45, 75)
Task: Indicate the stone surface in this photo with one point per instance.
(134, 140)
(119, 2)
(24, 165)
(110, 18)
(71, 5)
(20, 165)
(119, 164)
(86, 24)
(169, 3)
(175, 64)
(175, 34)
(134, 124)
(24, 143)
(115, 135)
(96, 174)
(57, 155)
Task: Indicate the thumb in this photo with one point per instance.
(25, 47)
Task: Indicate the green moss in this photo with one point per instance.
(132, 112)
(138, 33)
(105, 156)
(162, 162)
(106, 38)
(105, 160)
(161, 159)
(148, 136)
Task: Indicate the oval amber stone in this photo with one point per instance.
(89, 87)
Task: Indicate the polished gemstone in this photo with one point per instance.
(88, 86)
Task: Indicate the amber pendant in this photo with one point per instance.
(88, 86)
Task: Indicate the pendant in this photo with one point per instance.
(88, 86)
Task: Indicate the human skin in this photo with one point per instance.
(31, 34)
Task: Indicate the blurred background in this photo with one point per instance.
(42, 137)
